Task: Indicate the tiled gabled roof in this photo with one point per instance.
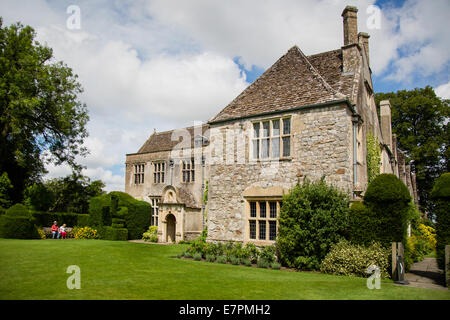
(293, 81)
(166, 141)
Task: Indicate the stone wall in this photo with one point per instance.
(173, 176)
(321, 145)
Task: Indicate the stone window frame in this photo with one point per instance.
(159, 171)
(282, 137)
(255, 221)
(139, 172)
(155, 201)
(187, 167)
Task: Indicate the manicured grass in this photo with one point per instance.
(36, 269)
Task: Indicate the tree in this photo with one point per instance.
(441, 195)
(420, 121)
(41, 118)
(5, 188)
(68, 194)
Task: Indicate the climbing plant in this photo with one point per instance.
(373, 157)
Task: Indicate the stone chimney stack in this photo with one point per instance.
(350, 25)
(363, 39)
(386, 125)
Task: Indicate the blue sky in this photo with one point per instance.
(150, 65)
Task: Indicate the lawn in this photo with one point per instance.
(36, 269)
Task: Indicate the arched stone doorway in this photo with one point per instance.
(171, 228)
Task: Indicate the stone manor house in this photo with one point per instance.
(305, 116)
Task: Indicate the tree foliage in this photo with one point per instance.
(383, 216)
(5, 189)
(441, 195)
(313, 217)
(41, 118)
(68, 194)
(420, 121)
(373, 157)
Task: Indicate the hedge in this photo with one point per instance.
(96, 205)
(360, 224)
(45, 219)
(134, 215)
(111, 233)
(18, 223)
(441, 196)
(83, 220)
(388, 205)
(18, 227)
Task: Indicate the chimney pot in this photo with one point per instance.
(364, 42)
(350, 25)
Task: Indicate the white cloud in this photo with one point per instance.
(414, 41)
(164, 63)
(443, 91)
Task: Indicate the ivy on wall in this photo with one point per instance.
(373, 157)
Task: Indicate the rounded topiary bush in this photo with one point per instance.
(18, 223)
(389, 201)
(441, 197)
(313, 217)
(386, 188)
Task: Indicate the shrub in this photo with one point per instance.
(361, 222)
(85, 233)
(18, 210)
(135, 213)
(262, 263)
(41, 233)
(17, 223)
(237, 250)
(350, 259)
(235, 260)
(221, 259)
(441, 197)
(246, 262)
(275, 266)
(251, 252)
(210, 258)
(151, 235)
(268, 253)
(197, 256)
(313, 217)
(384, 214)
(111, 233)
(389, 200)
(82, 220)
(188, 253)
(198, 246)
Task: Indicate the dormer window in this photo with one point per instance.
(271, 139)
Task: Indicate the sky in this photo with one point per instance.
(150, 65)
